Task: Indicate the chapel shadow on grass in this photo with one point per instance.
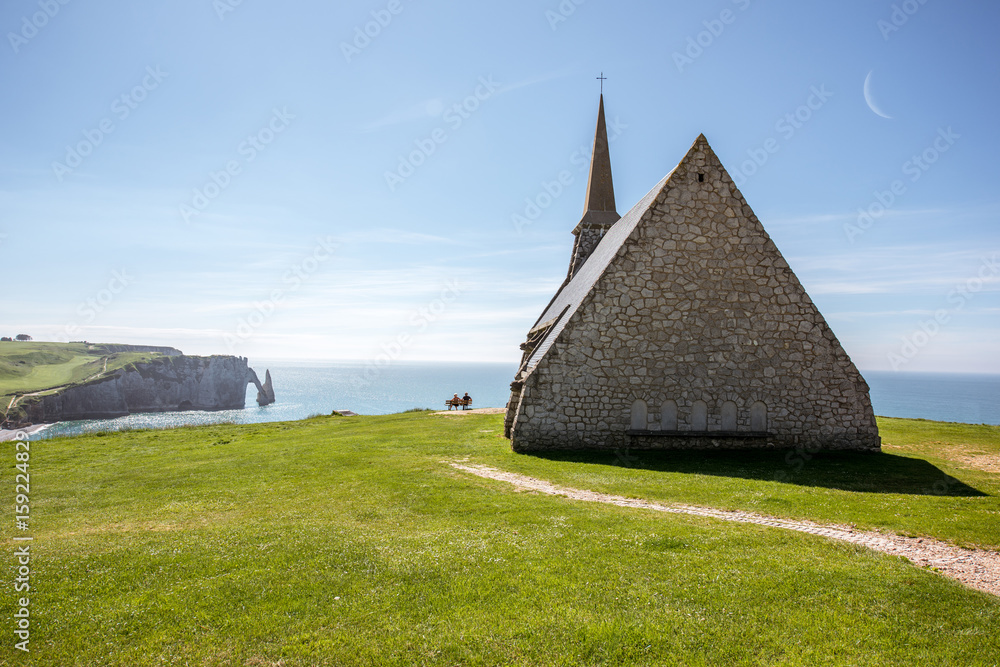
(846, 471)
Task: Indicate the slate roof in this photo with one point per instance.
(568, 300)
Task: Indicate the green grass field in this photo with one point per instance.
(351, 541)
(36, 367)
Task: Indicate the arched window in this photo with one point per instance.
(699, 416)
(639, 416)
(729, 416)
(758, 417)
(668, 418)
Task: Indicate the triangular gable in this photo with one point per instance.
(572, 295)
(569, 299)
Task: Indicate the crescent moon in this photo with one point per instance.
(870, 99)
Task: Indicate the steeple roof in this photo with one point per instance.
(600, 205)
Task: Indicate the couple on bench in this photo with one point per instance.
(456, 402)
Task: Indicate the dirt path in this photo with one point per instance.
(18, 397)
(975, 568)
(476, 411)
(94, 376)
(13, 402)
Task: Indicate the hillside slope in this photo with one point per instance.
(32, 367)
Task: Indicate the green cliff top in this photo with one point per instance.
(40, 367)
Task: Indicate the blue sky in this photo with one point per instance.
(265, 179)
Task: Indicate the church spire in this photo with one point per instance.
(600, 187)
(600, 212)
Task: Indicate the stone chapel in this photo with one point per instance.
(681, 326)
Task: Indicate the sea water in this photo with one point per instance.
(945, 397)
(316, 388)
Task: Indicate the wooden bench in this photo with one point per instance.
(461, 402)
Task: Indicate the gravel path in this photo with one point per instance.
(975, 568)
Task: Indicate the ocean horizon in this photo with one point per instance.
(305, 389)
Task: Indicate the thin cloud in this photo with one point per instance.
(383, 236)
(912, 285)
(829, 218)
(435, 106)
(429, 108)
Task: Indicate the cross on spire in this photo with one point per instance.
(602, 79)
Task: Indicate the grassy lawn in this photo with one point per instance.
(934, 479)
(33, 367)
(28, 367)
(350, 541)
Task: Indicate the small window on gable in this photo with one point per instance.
(701, 178)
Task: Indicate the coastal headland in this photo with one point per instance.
(50, 382)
